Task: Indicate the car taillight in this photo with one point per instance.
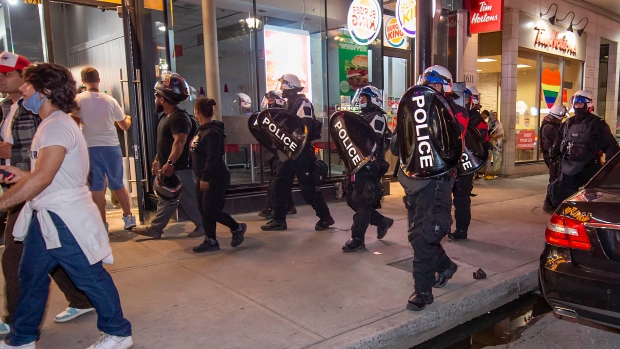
(566, 232)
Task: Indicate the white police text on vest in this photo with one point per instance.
(422, 135)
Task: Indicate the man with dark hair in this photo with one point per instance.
(17, 130)
(59, 223)
(174, 134)
(97, 113)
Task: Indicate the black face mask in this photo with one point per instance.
(290, 93)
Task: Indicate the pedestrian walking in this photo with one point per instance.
(207, 151)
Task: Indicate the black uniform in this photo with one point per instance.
(207, 151)
(432, 201)
(548, 134)
(464, 184)
(302, 168)
(364, 189)
(581, 141)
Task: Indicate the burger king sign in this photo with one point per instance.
(364, 21)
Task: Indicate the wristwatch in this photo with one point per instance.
(170, 163)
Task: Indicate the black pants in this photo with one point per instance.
(11, 258)
(567, 185)
(431, 222)
(554, 173)
(211, 203)
(462, 201)
(365, 209)
(302, 168)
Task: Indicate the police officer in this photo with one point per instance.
(584, 137)
(302, 167)
(364, 188)
(273, 99)
(464, 184)
(432, 199)
(548, 134)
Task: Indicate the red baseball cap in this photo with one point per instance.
(10, 62)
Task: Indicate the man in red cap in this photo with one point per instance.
(16, 132)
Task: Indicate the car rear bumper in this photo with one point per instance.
(577, 291)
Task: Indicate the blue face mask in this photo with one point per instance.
(34, 103)
(363, 105)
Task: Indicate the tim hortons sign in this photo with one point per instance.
(485, 16)
(539, 35)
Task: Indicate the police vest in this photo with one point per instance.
(580, 141)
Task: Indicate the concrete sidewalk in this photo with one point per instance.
(297, 289)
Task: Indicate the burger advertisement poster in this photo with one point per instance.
(353, 66)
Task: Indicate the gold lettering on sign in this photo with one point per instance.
(32, 2)
(554, 41)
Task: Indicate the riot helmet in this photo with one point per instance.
(373, 97)
(290, 85)
(472, 97)
(437, 75)
(273, 99)
(584, 97)
(558, 111)
(245, 102)
(167, 188)
(172, 88)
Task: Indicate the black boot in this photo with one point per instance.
(383, 227)
(443, 277)
(324, 223)
(237, 235)
(458, 235)
(292, 210)
(353, 244)
(274, 224)
(419, 300)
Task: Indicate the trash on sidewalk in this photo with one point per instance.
(480, 274)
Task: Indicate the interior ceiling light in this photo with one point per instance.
(486, 60)
(523, 66)
(478, 70)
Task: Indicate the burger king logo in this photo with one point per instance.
(364, 21)
(394, 35)
(405, 14)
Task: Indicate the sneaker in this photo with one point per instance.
(108, 341)
(237, 235)
(71, 313)
(443, 277)
(274, 225)
(147, 231)
(489, 177)
(198, 231)
(4, 328)
(130, 221)
(31, 345)
(324, 223)
(266, 213)
(383, 227)
(353, 244)
(209, 245)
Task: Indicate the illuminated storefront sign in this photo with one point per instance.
(394, 34)
(538, 34)
(485, 16)
(364, 21)
(287, 51)
(405, 15)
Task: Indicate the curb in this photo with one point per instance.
(405, 329)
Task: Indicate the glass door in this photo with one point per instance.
(395, 83)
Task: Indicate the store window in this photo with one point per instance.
(527, 104)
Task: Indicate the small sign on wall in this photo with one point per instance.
(526, 139)
(485, 15)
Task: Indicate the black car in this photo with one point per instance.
(580, 266)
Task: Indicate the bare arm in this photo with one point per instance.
(175, 154)
(31, 184)
(125, 124)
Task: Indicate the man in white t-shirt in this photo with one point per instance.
(98, 112)
(60, 224)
